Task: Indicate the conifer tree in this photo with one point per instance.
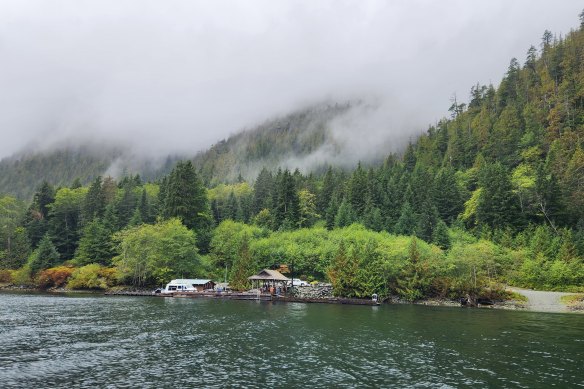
(447, 197)
(440, 236)
(407, 222)
(45, 256)
(263, 191)
(95, 245)
(94, 201)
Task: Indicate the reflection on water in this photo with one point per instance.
(95, 341)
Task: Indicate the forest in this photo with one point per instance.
(491, 195)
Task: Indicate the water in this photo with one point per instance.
(128, 342)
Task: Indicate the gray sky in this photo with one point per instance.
(180, 75)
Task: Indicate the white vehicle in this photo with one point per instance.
(188, 285)
(297, 282)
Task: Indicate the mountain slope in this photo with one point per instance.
(273, 143)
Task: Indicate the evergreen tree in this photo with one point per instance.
(95, 245)
(373, 219)
(94, 201)
(17, 251)
(263, 191)
(440, 236)
(345, 215)
(136, 218)
(357, 191)
(36, 220)
(287, 203)
(427, 219)
(447, 197)
(498, 206)
(243, 267)
(231, 209)
(145, 208)
(127, 204)
(407, 222)
(326, 193)
(186, 198)
(331, 213)
(45, 256)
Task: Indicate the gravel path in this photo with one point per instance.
(542, 301)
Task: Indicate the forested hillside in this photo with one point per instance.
(21, 174)
(242, 155)
(493, 194)
(294, 136)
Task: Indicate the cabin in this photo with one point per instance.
(269, 281)
(189, 285)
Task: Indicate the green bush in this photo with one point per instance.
(88, 277)
(22, 276)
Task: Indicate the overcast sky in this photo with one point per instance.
(181, 75)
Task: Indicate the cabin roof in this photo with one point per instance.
(267, 274)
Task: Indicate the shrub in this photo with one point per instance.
(54, 277)
(110, 275)
(87, 277)
(5, 276)
(22, 276)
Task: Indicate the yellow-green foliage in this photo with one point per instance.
(379, 259)
(153, 253)
(222, 192)
(22, 276)
(88, 277)
(470, 207)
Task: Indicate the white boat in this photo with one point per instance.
(188, 285)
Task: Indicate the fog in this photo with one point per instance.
(177, 76)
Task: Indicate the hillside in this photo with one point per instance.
(22, 173)
(284, 142)
(276, 142)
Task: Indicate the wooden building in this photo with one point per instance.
(269, 281)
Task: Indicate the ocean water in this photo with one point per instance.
(91, 341)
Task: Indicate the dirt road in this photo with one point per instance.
(542, 301)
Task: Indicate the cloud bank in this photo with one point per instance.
(176, 76)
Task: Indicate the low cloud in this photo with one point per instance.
(177, 76)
